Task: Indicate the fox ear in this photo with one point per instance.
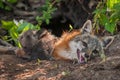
(87, 27)
(106, 41)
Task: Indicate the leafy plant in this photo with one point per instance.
(47, 10)
(15, 28)
(107, 15)
(5, 4)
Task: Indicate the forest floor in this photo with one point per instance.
(14, 68)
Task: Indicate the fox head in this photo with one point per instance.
(90, 45)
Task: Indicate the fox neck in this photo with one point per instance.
(64, 48)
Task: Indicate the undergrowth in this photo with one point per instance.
(107, 15)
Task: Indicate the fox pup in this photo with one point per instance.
(36, 44)
(81, 44)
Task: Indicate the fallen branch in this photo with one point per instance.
(25, 13)
(6, 47)
(7, 50)
(4, 43)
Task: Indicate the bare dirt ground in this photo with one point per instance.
(14, 68)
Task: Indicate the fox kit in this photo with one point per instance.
(80, 44)
(37, 44)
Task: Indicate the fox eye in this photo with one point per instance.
(95, 52)
(84, 43)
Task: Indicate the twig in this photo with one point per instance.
(7, 50)
(6, 47)
(4, 43)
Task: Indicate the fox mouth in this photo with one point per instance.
(81, 58)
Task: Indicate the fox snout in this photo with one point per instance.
(91, 54)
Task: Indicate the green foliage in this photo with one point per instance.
(111, 3)
(107, 15)
(47, 10)
(15, 28)
(4, 4)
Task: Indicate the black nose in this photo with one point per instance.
(86, 55)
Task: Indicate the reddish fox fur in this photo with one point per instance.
(63, 43)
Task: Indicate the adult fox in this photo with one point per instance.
(81, 44)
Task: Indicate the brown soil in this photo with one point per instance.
(14, 68)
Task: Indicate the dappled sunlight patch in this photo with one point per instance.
(57, 77)
(20, 65)
(31, 73)
(2, 65)
(4, 76)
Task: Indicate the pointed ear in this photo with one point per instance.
(87, 27)
(106, 41)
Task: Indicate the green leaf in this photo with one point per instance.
(22, 26)
(32, 26)
(25, 29)
(13, 32)
(7, 24)
(47, 9)
(19, 45)
(103, 19)
(47, 21)
(110, 27)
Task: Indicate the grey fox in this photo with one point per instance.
(81, 44)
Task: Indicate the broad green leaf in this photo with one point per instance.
(31, 26)
(22, 26)
(25, 29)
(7, 24)
(13, 33)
